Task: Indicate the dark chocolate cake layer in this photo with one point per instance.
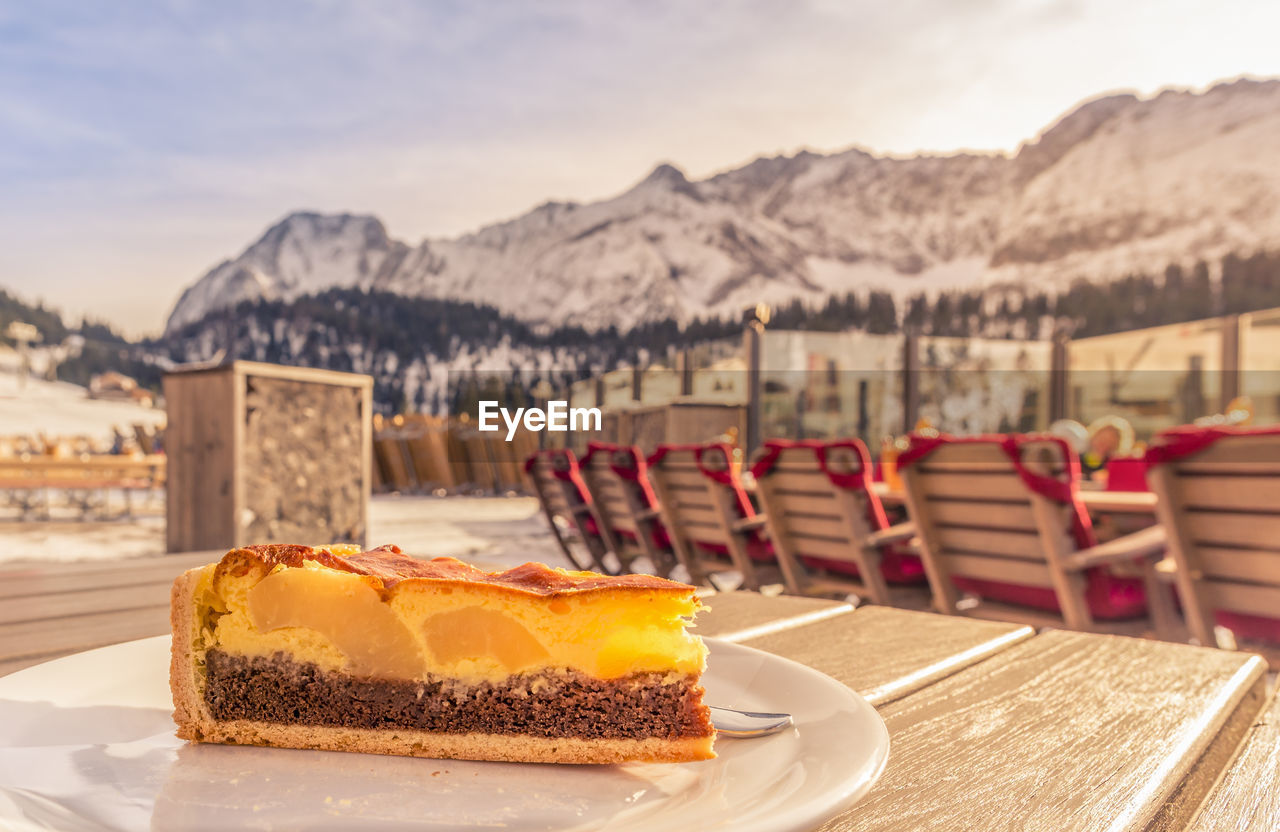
(561, 704)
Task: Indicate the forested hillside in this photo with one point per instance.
(410, 345)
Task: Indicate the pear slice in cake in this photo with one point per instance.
(337, 649)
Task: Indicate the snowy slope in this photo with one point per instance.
(32, 406)
(1179, 178)
(302, 254)
(1120, 184)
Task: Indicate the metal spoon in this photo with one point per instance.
(731, 723)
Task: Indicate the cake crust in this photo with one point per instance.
(512, 748)
(189, 711)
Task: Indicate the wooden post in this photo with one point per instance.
(684, 364)
(1191, 390)
(752, 336)
(910, 380)
(1058, 378)
(1232, 361)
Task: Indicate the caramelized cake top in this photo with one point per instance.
(389, 567)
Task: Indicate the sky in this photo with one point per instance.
(143, 142)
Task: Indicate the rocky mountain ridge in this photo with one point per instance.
(1120, 185)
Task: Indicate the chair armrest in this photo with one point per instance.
(750, 524)
(1146, 543)
(893, 534)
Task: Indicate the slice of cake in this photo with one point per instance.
(337, 649)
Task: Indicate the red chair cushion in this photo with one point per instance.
(1127, 475)
(1252, 627)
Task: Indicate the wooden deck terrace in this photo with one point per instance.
(53, 609)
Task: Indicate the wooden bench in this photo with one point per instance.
(87, 481)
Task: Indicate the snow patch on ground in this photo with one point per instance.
(56, 408)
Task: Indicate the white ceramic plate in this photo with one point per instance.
(86, 743)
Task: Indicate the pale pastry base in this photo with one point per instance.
(195, 723)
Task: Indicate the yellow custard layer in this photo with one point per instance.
(341, 621)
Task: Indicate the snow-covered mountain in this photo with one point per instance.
(303, 254)
(1118, 185)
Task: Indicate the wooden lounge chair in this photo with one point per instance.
(712, 525)
(1219, 502)
(630, 517)
(483, 474)
(390, 452)
(554, 478)
(999, 519)
(827, 526)
(510, 456)
(426, 447)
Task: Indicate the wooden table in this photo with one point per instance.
(991, 726)
(52, 609)
(994, 727)
(1103, 502)
(1247, 796)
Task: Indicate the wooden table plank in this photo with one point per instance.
(22, 580)
(54, 609)
(1065, 731)
(885, 653)
(1119, 502)
(735, 616)
(39, 641)
(1247, 799)
(889, 496)
(61, 605)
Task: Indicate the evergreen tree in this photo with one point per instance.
(942, 320)
(917, 312)
(882, 313)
